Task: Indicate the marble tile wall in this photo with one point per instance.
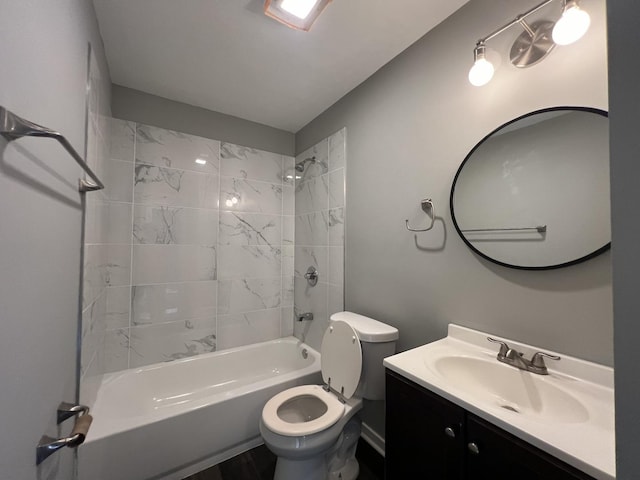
(115, 264)
(97, 272)
(319, 235)
(198, 252)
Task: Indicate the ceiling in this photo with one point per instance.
(227, 56)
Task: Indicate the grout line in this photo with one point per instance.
(282, 229)
(130, 296)
(217, 248)
(328, 183)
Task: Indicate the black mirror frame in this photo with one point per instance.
(455, 180)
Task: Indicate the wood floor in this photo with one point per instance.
(259, 464)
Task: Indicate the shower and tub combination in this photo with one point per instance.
(191, 313)
(171, 420)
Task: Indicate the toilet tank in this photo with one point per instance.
(378, 340)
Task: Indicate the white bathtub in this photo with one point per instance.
(169, 420)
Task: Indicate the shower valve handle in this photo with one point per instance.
(311, 276)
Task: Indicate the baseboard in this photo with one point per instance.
(373, 439)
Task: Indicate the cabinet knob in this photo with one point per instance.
(450, 432)
(473, 448)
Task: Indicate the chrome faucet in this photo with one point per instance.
(512, 357)
(305, 316)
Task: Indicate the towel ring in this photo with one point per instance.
(429, 209)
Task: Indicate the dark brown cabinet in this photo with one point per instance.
(428, 437)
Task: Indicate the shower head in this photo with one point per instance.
(300, 165)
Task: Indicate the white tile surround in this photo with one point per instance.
(189, 257)
(319, 236)
(183, 258)
(98, 272)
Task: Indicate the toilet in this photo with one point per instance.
(314, 429)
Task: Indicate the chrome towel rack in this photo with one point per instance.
(538, 228)
(13, 127)
(429, 209)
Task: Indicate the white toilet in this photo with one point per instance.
(313, 429)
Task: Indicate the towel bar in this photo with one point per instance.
(13, 127)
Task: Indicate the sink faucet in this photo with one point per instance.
(512, 357)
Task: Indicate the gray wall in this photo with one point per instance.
(140, 107)
(410, 125)
(624, 97)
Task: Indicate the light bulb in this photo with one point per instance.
(573, 24)
(481, 72)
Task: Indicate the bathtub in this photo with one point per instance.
(170, 420)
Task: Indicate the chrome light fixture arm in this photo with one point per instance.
(518, 20)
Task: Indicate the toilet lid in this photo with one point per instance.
(341, 358)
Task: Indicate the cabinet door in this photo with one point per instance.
(501, 456)
(418, 444)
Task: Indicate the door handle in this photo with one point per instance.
(49, 445)
(68, 410)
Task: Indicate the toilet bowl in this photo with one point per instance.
(314, 429)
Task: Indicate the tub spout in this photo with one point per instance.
(305, 316)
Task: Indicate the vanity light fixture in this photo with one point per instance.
(297, 14)
(535, 43)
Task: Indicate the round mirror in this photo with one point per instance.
(534, 193)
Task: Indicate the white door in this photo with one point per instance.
(42, 78)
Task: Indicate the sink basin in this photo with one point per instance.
(499, 385)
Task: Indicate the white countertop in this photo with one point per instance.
(587, 443)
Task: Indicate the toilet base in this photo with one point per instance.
(314, 468)
(349, 471)
(335, 463)
(342, 457)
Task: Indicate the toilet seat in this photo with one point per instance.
(273, 421)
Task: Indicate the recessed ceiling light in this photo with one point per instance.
(298, 14)
(201, 161)
(299, 8)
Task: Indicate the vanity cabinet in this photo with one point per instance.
(429, 437)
